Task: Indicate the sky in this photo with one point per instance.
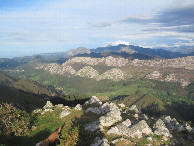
(43, 26)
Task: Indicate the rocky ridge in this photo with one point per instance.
(116, 121)
(108, 61)
(184, 62)
(173, 77)
(55, 68)
(114, 74)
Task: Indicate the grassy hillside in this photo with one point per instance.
(166, 97)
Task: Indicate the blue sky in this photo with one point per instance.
(41, 26)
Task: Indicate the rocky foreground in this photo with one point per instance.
(121, 125)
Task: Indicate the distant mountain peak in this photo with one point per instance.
(38, 59)
(79, 50)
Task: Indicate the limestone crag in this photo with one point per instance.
(161, 129)
(113, 116)
(88, 72)
(93, 100)
(184, 62)
(114, 74)
(156, 75)
(175, 78)
(106, 107)
(108, 61)
(110, 118)
(48, 105)
(55, 68)
(135, 131)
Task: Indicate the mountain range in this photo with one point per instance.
(124, 77)
(125, 51)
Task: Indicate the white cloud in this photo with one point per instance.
(118, 43)
(178, 44)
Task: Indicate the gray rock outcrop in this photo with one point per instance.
(135, 131)
(78, 107)
(48, 105)
(93, 100)
(161, 129)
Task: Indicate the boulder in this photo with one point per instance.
(64, 113)
(135, 131)
(93, 100)
(188, 127)
(117, 129)
(48, 105)
(59, 105)
(121, 105)
(161, 129)
(110, 118)
(135, 109)
(47, 110)
(78, 107)
(106, 107)
(100, 142)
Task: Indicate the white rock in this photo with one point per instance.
(167, 119)
(150, 139)
(114, 130)
(135, 108)
(127, 122)
(110, 118)
(136, 116)
(48, 105)
(135, 131)
(93, 100)
(78, 107)
(64, 113)
(106, 107)
(188, 127)
(144, 117)
(121, 105)
(59, 105)
(161, 129)
(37, 110)
(47, 110)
